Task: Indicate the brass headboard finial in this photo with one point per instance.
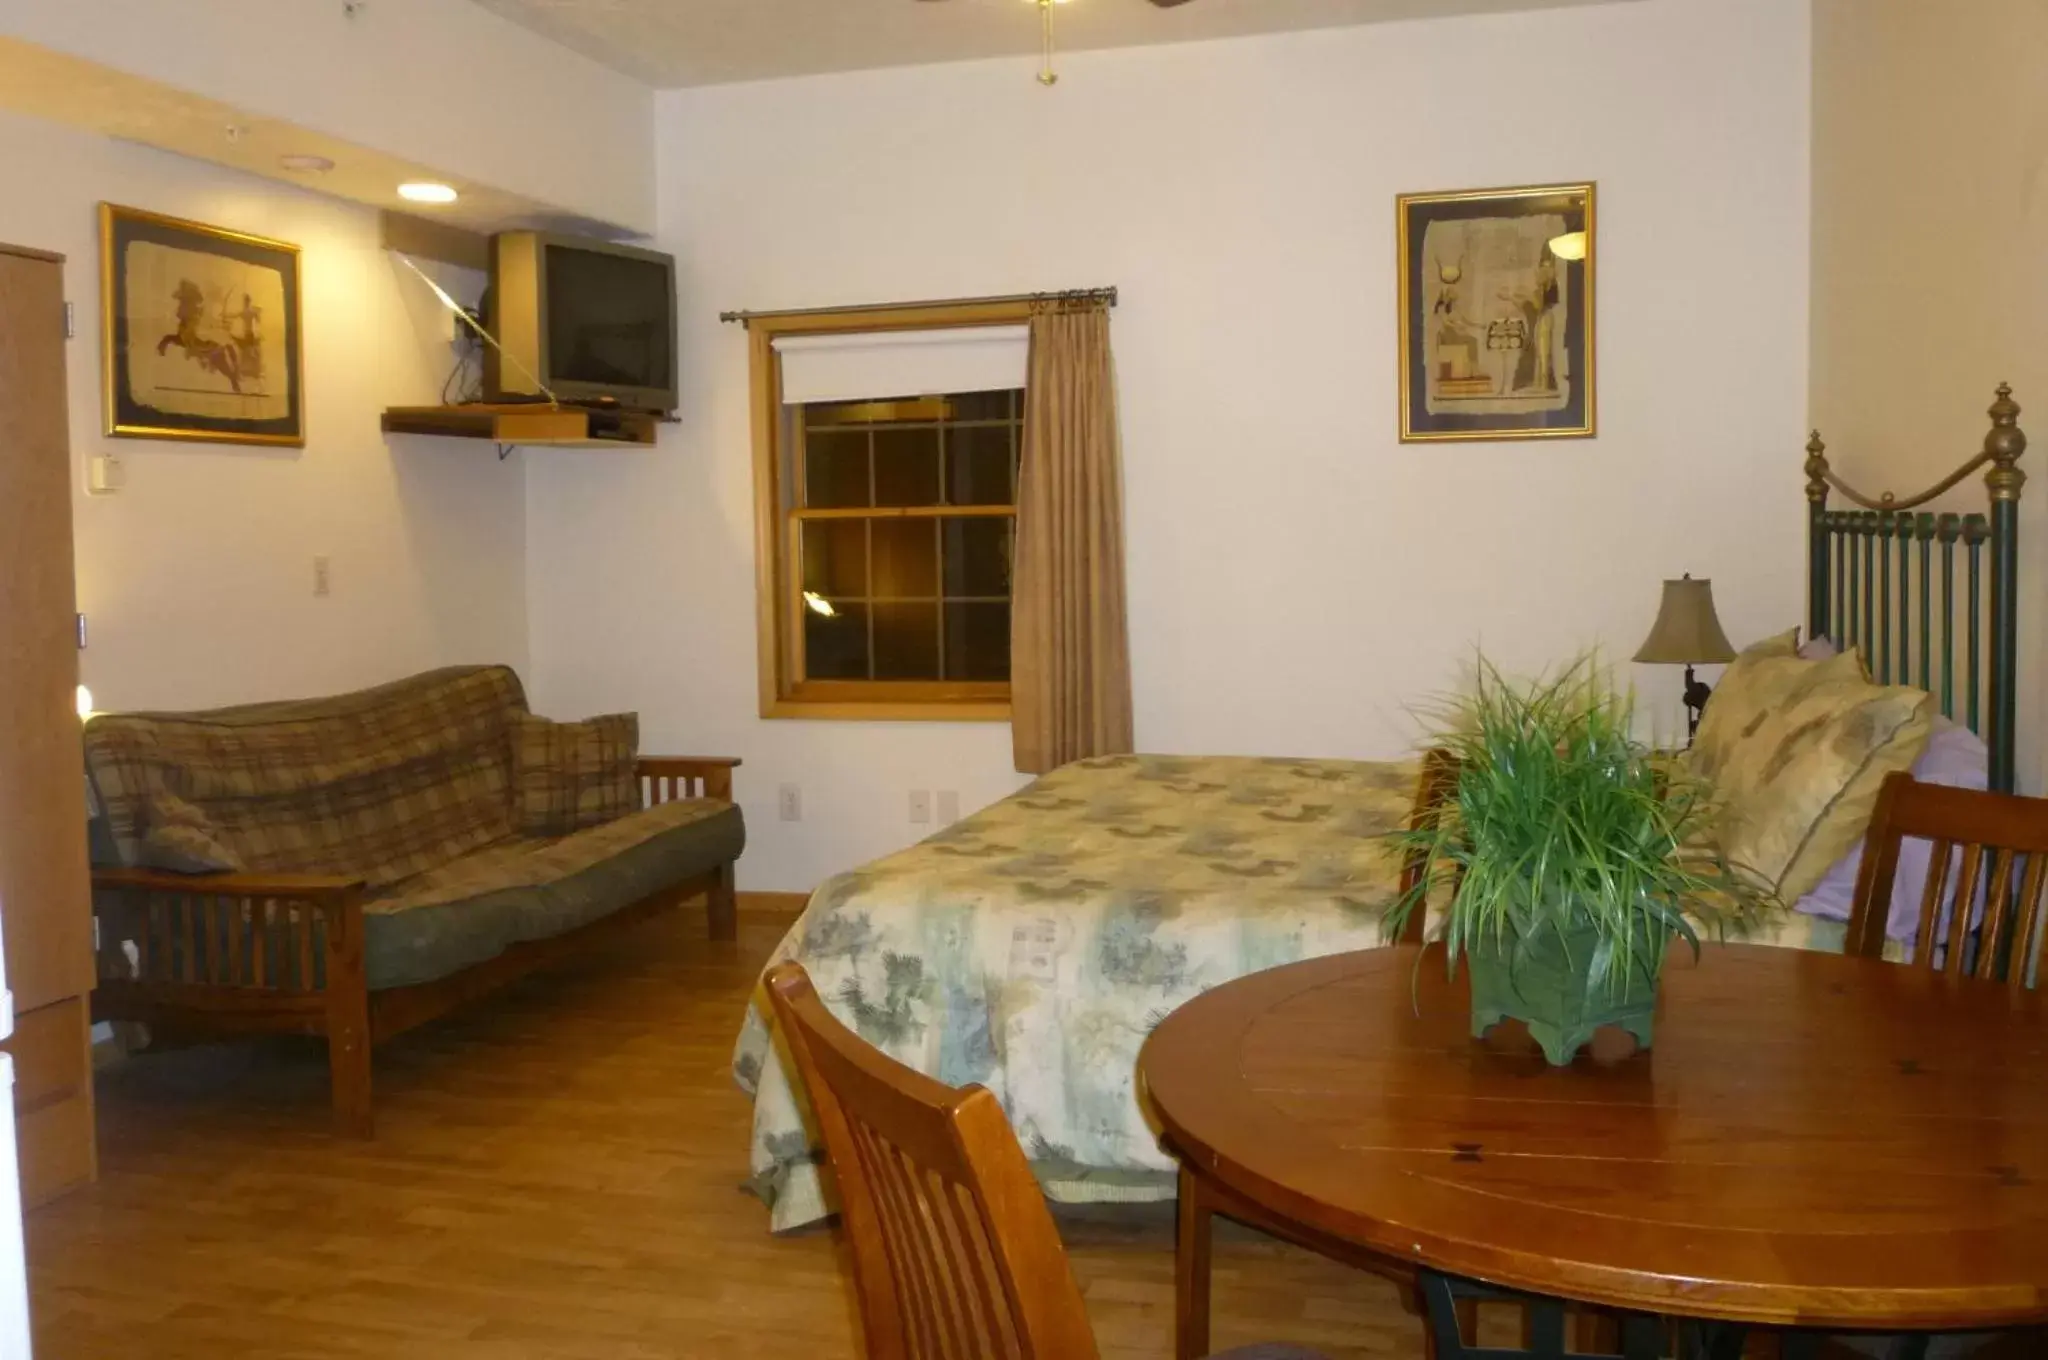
(1816, 469)
(2003, 446)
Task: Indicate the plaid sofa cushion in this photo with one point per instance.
(381, 784)
(541, 861)
(569, 776)
(478, 906)
(184, 840)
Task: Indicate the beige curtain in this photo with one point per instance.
(1070, 664)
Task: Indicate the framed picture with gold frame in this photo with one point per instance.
(199, 332)
(1497, 314)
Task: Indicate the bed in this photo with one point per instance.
(1033, 946)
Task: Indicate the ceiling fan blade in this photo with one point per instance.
(1168, 4)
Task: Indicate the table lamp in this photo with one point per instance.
(1687, 633)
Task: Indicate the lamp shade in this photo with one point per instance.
(1687, 631)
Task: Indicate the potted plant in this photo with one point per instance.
(1575, 859)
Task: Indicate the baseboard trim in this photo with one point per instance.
(774, 903)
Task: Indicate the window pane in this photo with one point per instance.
(906, 559)
(836, 648)
(836, 557)
(977, 642)
(978, 465)
(907, 466)
(978, 556)
(982, 405)
(907, 641)
(877, 412)
(835, 468)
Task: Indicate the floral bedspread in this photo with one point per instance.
(1034, 945)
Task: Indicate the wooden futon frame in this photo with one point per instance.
(189, 980)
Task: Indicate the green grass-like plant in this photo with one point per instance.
(1560, 821)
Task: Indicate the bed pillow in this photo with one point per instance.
(568, 776)
(1954, 756)
(1751, 686)
(182, 838)
(1795, 788)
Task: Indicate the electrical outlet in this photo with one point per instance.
(323, 580)
(920, 806)
(789, 803)
(949, 806)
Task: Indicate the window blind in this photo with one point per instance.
(871, 365)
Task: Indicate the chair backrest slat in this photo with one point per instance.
(1999, 842)
(2026, 932)
(1994, 864)
(1992, 933)
(1934, 894)
(954, 1251)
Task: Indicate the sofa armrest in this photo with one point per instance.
(315, 888)
(230, 932)
(671, 777)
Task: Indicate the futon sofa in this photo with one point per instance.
(356, 865)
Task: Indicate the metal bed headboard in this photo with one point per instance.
(1904, 622)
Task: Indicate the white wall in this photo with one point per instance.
(1929, 211)
(197, 577)
(1297, 577)
(442, 82)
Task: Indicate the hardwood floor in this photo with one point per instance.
(555, 1177)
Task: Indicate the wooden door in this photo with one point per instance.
(45, 897)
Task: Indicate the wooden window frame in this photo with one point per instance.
(775, 563)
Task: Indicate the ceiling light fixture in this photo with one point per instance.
(306, 163)
(1046, 75)
(426, 191)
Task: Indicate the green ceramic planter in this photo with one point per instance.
(1544, 981)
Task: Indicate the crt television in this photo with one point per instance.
(590, 321)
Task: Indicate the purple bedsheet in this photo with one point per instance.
(1956, 756)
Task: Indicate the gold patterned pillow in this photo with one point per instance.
(1796, 786)
(182, 838)
(1754, 682)
(568, 776)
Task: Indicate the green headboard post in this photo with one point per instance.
(2003, 446)
(1817, 539)
(1850, 583)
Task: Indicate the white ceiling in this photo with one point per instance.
(671, 43)
(48, 84)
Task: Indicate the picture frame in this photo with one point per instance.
(1497, 313)
(200, 332)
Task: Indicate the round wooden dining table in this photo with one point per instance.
(1813, 1141)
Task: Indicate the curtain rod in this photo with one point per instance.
(1097, 297)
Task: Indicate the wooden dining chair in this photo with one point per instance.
(955, 1256)
(1435, 792)
(1988, 846)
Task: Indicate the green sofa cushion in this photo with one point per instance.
(474, 908)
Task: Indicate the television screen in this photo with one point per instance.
(608, 319)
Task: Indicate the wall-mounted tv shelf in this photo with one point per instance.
(530, 426)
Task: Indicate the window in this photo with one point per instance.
(887, 522)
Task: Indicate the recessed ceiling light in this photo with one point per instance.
(309, 164)
(426, 191)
